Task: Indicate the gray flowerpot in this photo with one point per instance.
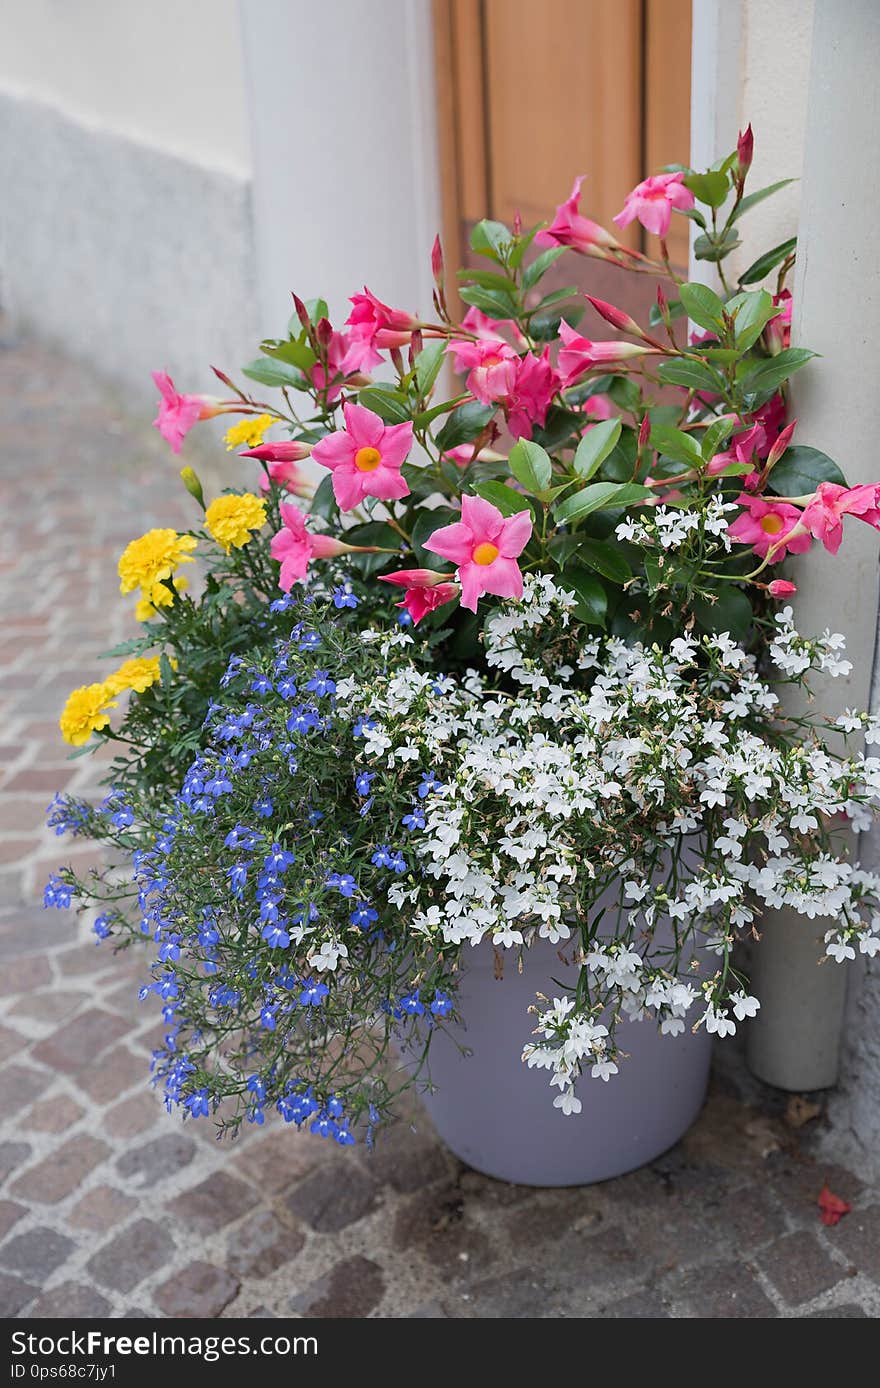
(497, 1115)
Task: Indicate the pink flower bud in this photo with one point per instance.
(781, 588)
(644, 432)
(615, 316)
(301, 311)
(780, 444)
(279, 452)
(415, 578)
(324, 332)
(437, 262)
(662, 302)
(745, 149)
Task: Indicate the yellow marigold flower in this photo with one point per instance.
(85, 713)
(145, 610)
(249, 432)
(146, 562)
(137, 674)
(230, 519)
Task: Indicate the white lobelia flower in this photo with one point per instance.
(743, 1006)
(603, 1070)
(568, 1102)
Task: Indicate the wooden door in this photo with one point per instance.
(533, 92)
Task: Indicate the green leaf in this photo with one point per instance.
(752, 199)
(686, 371)
(626, 394)
(540, 265)
(509, 502)
(427, 521)
(491, 239)
(489, 279)
(715, 248)
(166, 671)
(598, 496)
(324, 501)
(521, 244)
(555, 297)
(490, 301)
(710, 188)
(620, 465)
(767, 262)
(421, 421)
(605, 558)
(592, 600)
(272, 373)
(676, 310)
(703, 306)
(595, 447)
(296, 353)
(675, 444)
(316, 309)
(768, 375)
(544, 327)
(731, 611)
(464, 425)
(531, 466)
(428, 366)
(801, 469)
(716, 437)
(751, 313)
(387, 405)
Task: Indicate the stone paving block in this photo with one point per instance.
(50, 1008)
(24, 975)
(20, 1085)
(647, 1304)
(71, 1300)
(352, 1289)
(799, 1267)
(101, 1208)
(158, 1159)
(199, 1290)
(723, 1290)
(10, 1213)
(133, 1115)
(857, 1236)
(11, 1042)
(837, 1312)
(14, 1295)
(12, 1156)
(436, 1224)
(26, 930)
(37, 1253)
(116, 1071)
(213, 1203)
(59, 1174)
(333, 1197)
(407, 1161)
(262, 1244)
(76, 1045)
(53, 1115)
(140, 1249)
(522, 1293)
(277, 1161)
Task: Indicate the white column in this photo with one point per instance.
(794, 1043)
(346, 187)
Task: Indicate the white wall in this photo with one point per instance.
(164, 72)
(752, 63)
(346, 191)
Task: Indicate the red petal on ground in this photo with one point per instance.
(831, 1207)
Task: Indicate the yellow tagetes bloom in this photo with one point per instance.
(137, 674)
(147, 562)
(85, 713)
(248, 432)
(230, 519)
(145, 610)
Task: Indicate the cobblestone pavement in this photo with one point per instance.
(111, 1207)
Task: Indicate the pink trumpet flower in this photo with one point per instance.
(769, 526)
(652, 201)
(281, 464)
(418, 602)
(485, 546)
(823, 515)
(178, 413)
(415, 578)
(570, 229)
(365, 457)
(491, 366)
(578, 354)
(295, 546)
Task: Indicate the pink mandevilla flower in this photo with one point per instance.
(295, 546)
(415, 578)
(569, 228)
(485, 546)
(823, 516)
(767, 525)
(491, 366)
(178, 413)
(781, 588)
(578, 354)
(418, 602)
(365, 457)
(534, 386)
(652, 201)
(281, 463)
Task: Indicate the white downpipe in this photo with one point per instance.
(794, 1042)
